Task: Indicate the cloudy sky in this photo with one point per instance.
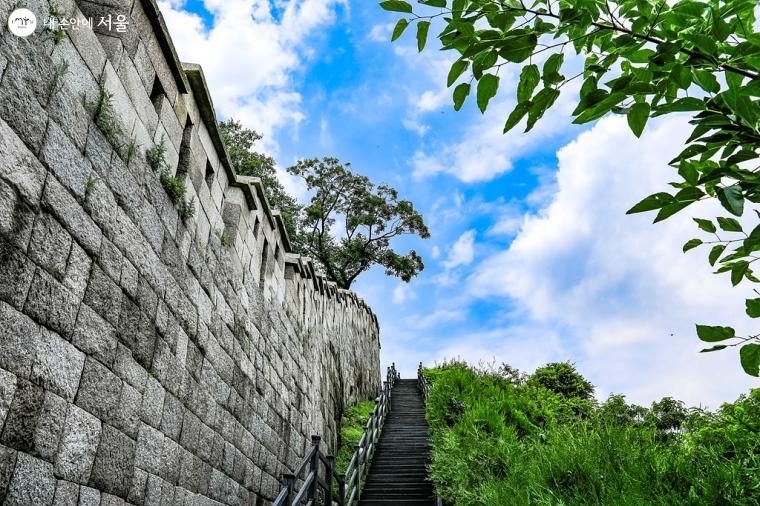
(532, 258)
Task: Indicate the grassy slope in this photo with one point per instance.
(497, 444)
(351, 430)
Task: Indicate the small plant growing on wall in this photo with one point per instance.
(156, 155)
(102, 111)
(57, 83)
(173, 185)
(57, 32)
(224, 238)
(187, 209)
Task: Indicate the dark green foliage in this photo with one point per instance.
(187, 209)
(174, 186)
(496, 441)
(102, 112)
(373, 216)
(642, 59)
(563, 379)
(247, 162)
(156, 155)
(351, 429)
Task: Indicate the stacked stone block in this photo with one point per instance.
(144, 359)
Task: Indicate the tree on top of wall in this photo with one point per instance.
(370, 215)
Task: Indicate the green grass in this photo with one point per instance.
(497, 442)
(351, 430)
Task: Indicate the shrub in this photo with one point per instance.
(156, 155)
(495, 442)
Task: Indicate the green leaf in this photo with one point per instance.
(717, 347)
(715, 253)
(671, 209)
(487, 87)
(516, 115)
(681, 76)
(637, 117)
(749, 356)
(529, 78)
(693, 243)
(543, 100)
(553, 63)
(517, 46)
(753, 307)
(651, 203)
(422, 32)
(460, 93)
(396, 6)
(729, 224)
(707, 81)
(714, 334)
(738, 270)
(706, 225)
(399, 28)
(434, 3)
(732, 199)
(457, 69)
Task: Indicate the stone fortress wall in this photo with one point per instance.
(145, 357)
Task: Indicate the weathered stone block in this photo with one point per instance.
(77, 271)
(58, 365)
(137, 332)
(110, 260)
(64, 206)
(7, 389)
(129, 370)
(79, 443)
(51, 304)
(95, 336)
(18, 341)
(171, 420)
(50, 245)
(153, 402)
(112, 471)
(150, 444)
(63, 158)
(16, 217)
(103, 296)
(32, 483)
(21, 109)
(139, 483)
(89, 496)
(20, 167)
(49, 426)
(66, 494)
(128, 413)
(170, 462)
(7, 465)
(21, 422)
(99, 391)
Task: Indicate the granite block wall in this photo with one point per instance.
(148, 357)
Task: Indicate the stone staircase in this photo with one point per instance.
(398, 473)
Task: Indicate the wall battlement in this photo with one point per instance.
(147, 357)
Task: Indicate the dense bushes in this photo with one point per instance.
(502, 438)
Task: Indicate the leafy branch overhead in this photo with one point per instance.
(641, 59)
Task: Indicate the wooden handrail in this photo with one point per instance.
(321, 480)
(422, 385)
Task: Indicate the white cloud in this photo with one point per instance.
(381, 33)
(462, 251)
(617, 288)
(435, 252)
(250, 56)
(403, 293)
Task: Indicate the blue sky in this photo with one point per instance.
(531, 257)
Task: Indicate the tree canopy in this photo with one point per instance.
(248, 162)
(641, 59)
(349, 223)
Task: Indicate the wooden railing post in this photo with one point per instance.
(313, 493)
(359, 471)
(342, 489)
(329, 479)
(290, 480)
